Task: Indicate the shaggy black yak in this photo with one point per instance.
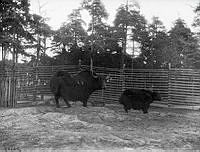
(138, 99)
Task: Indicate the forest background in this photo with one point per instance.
(26, 36)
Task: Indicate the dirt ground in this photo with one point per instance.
(106, 128)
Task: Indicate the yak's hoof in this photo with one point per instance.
(84, 105)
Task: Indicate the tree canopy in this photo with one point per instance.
(77, 40)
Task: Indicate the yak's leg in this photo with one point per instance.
(145, 109)
(57, 101)
(66, 101)
(126, 108)
(84, 103)
(64, 95)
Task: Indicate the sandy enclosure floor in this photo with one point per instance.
(98, 128)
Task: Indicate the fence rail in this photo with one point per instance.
(176, 86)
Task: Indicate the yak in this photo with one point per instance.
(138, 99)
(76, 88)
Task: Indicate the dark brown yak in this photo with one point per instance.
(75, 88)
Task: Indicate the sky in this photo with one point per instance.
(167, 10)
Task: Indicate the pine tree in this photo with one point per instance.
(14, 24)
(155, 55)
(183, 45)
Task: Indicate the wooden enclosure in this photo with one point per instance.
(178, 87)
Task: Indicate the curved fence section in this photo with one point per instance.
(178, 87)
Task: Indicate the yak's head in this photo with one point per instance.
(156, 96)
(96, 82)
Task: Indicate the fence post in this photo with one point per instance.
(123, 78)
(3, 91)
(169, 85)
(35, 79)
(4, 87)
(79, 64)
(14, 85)
(2, 81)
(7, 89)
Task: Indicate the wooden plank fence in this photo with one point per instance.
(184, 87)
(178, 87)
